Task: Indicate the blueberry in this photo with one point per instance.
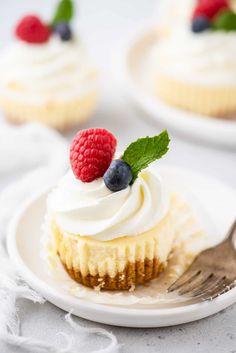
(200, 24)
(63, 30)
(118, 176)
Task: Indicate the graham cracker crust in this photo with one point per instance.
(134, 274)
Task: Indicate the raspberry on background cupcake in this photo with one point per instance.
(111, 220)
(210, 8)
(194, 67)
(32, 30)
(46, 73)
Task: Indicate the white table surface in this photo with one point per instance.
(105, 23)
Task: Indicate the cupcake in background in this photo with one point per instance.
(195, 65)
(46, 73)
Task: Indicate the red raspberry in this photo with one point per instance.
(31, 29)
(91, 153)
(210, 8)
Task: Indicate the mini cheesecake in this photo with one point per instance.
(112, 222)
(47, 75)
(194, 67)
(121, 263)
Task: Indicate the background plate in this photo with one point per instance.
(24, 249)
(133, 67)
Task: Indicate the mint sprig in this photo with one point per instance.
(64, 12)
(225, 21)
(144, 151)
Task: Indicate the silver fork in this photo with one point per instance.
(212, 273)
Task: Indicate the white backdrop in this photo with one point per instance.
(105, 24)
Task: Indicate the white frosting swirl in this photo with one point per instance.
(206, 58)
(91, 209)
(54, 70)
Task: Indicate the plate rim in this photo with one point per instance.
(49, 292)
(157, 109)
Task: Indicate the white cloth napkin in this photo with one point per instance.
(31, 157)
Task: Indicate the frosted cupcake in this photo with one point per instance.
(195, 66)
(112, 221)
(46, 74)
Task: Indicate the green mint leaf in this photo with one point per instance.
(225, 21)
(64, 12)
(144, 151)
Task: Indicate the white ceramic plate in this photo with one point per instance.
(24, 249)
(133, 68)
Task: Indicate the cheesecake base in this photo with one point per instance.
(135, 273)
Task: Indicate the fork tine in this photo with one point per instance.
(208, 284)
(196, 287)
(223, 288)
(186, 278)
(227, 288)
(209, 289)
(209, 293)
(188, 287)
